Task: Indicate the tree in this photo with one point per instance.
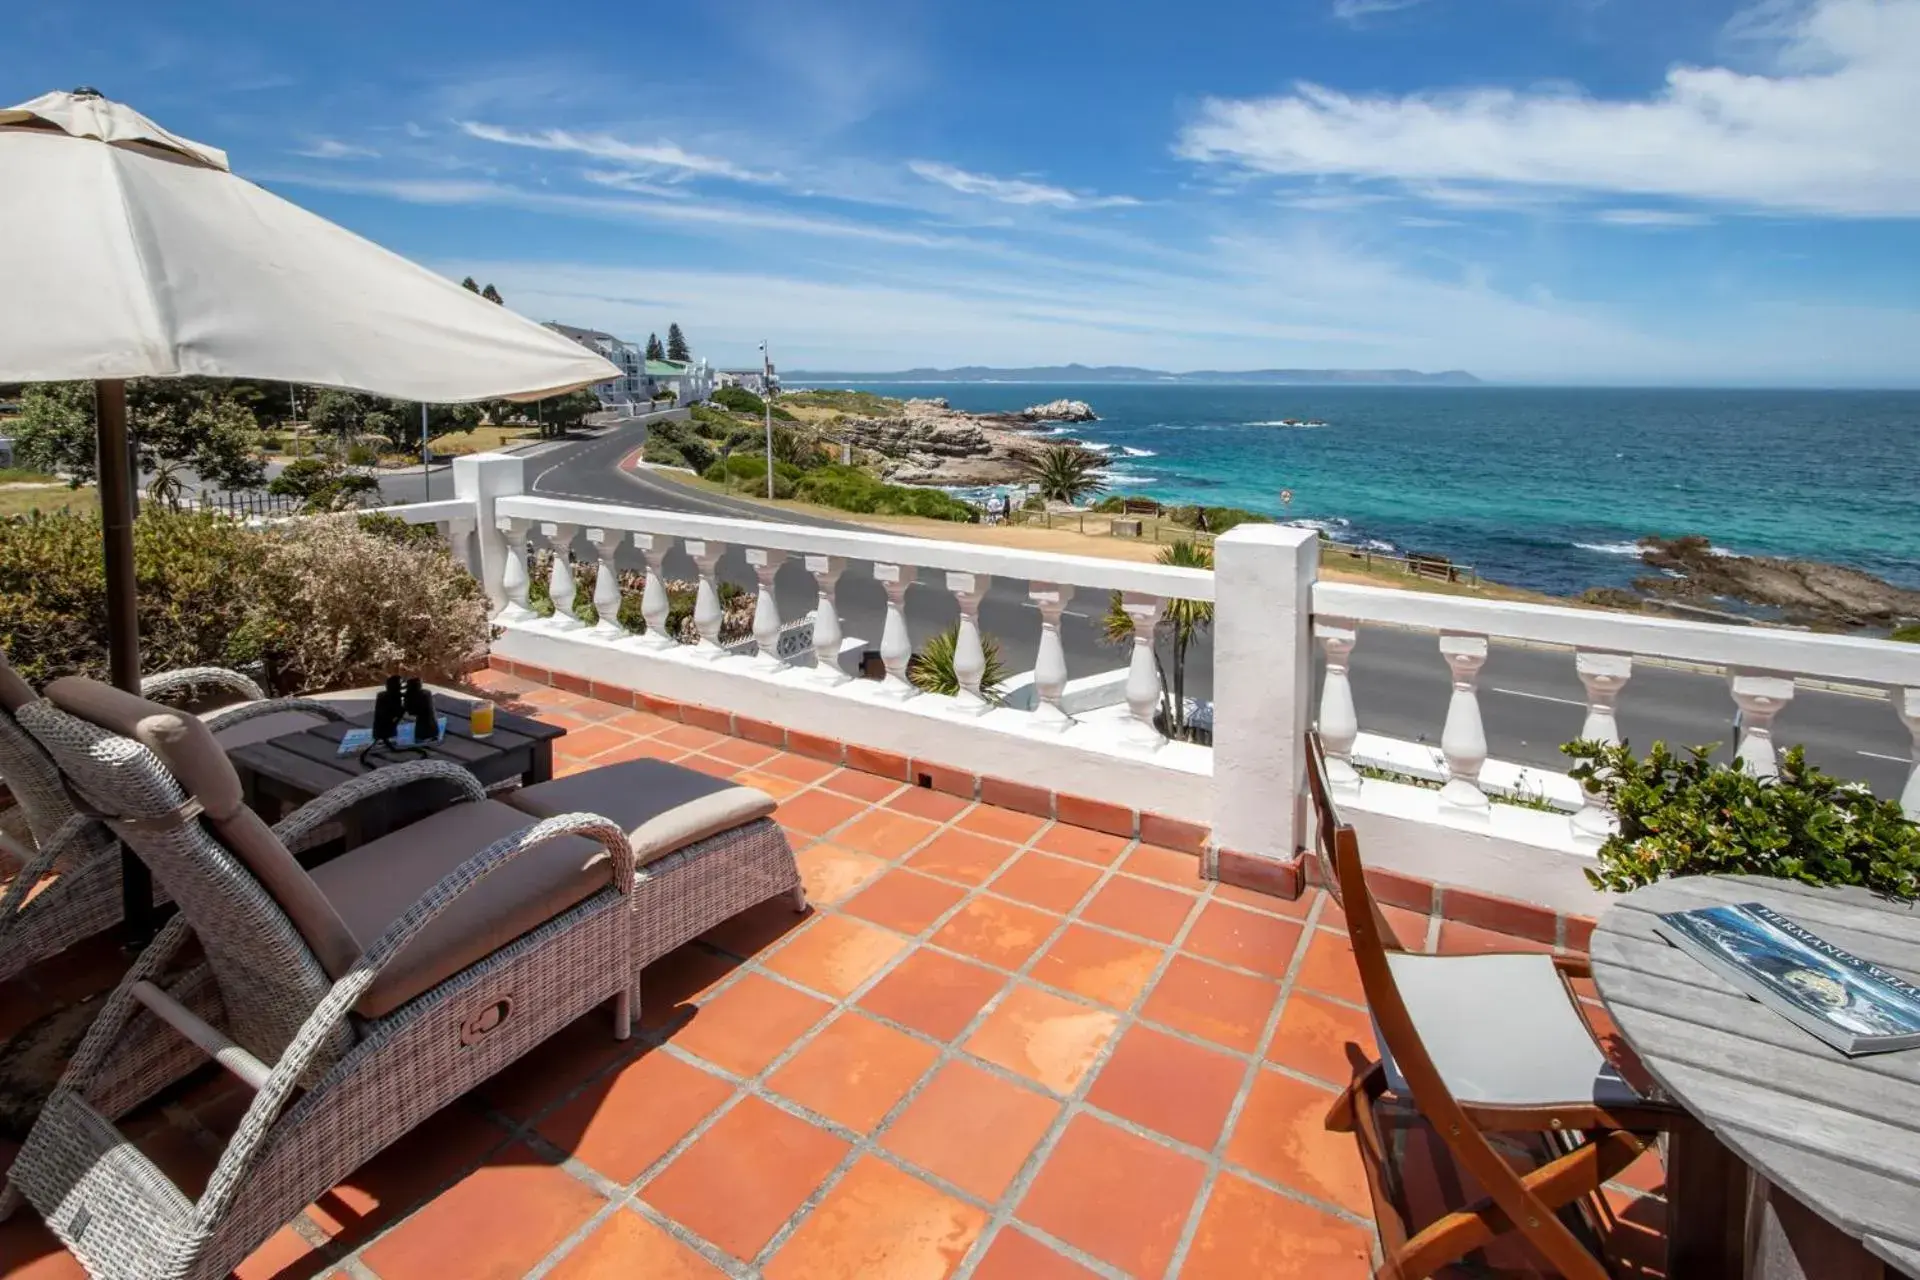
(323, 485)
(492, 294)
(1065, 472)
(563, 413)
(167, 488)
(1180, 622)
(192, 421)
(348, 414)
(469, 285)
(677, 344)
(654, 350)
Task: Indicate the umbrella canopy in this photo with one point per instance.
(131, 252)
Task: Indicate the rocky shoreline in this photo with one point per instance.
(931, 443)
(1804, 593)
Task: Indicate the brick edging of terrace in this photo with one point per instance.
(1280, 878)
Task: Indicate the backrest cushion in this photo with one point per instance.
(15, 693)
(190, 753)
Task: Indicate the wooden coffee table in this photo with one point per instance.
(284, 773)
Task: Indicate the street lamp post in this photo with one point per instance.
(766, 402)
(426, 474)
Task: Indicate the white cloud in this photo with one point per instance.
(635, 183)
(1825, 129)
(1354, 11)
(334, 149)
(1651, 218)
(1012, 190)
(662, 155)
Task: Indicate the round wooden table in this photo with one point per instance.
(1832, 1143)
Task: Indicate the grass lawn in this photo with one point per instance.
(23, 475)
(481, 439)
(20, 502)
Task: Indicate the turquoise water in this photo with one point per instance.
(1544, 488)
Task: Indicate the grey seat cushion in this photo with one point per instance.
(1502, 1030)
(374, 885)
(259, 729)
(661, 806)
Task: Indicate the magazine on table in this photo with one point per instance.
(1852, 1004)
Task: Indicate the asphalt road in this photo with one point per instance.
(1530, 699)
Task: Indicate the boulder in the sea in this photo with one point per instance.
(1060, 411)
(1805, 591)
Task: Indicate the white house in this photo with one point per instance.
(643, 380)
(754, 380)
(690, 381)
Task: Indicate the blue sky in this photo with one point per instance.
(1635, 191)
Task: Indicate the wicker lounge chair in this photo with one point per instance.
(1480, 1045)
(703, 849)
(354, 1001)
(60, 871)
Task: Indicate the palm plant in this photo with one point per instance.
(1065, 472)
(1180, 622)
(931, 670)
(167, 488)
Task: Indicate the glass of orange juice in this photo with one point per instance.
(480, 720)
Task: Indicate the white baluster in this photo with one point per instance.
(1604, 675)
(513, 573)
(1760, 698)
(1463, 739)
(460, 535)
(707, 613)
(826, 571)
(1339, 722)
(1907, 703)
(1143, 671)
(896, 647)
(1050, 664)
(969, 655)
(766, 610)
(653, 595)
(560, 588)
(606, 584)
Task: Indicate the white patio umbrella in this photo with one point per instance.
(130, 252)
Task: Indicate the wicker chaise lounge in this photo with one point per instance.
(354, 1001)
(65, 867)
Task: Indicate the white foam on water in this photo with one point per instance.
(1297, 424)
(1132, 452)
(1610, 548)
(1095, 446)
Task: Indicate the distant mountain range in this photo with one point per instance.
(1128, 373)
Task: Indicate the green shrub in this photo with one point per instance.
(673, 444)
(362, 455)
(1215, 520)
(1910, 633)
(740, 400)
(1682, 815)
(850, 489)
(931, 670)
(272, 444)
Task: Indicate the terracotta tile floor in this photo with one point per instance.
(994, 1047)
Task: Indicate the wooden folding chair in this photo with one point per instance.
(1480, 1044)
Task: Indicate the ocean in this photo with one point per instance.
(1545, 488)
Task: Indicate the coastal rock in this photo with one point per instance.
(1060, 411)
(1806, 592)
(931, 443)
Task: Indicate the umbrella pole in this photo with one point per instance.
(113, 462)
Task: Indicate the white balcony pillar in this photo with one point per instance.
(1907, 703)
(1760, 698)
(896, 646)
(1463, 739)
(766, 610)
(707, 611)
(1604, 675)
(1339, 722)
(653, 594)
(826, 571)
(1050, 663)
(513, 570)
(460, 542)
(1143, 669)
(1263, 686)
(483, 479)
(969, 654)
(560, 586)
(606, 584)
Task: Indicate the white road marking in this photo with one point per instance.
(1880, 755)
(1541, 697)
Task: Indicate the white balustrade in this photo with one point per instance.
(460, 535)
(766, 610)
(1463, 739)
(654, 605)
(1050, 663)
(1339, 722)
(513, 574)
(1603, 675)
(606, 585)
(560, 587)
(707, 611)
(969, 654)
(826, 571)
(1760, 698)
(1907, 703)
(896, 646)
(1143, 669)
